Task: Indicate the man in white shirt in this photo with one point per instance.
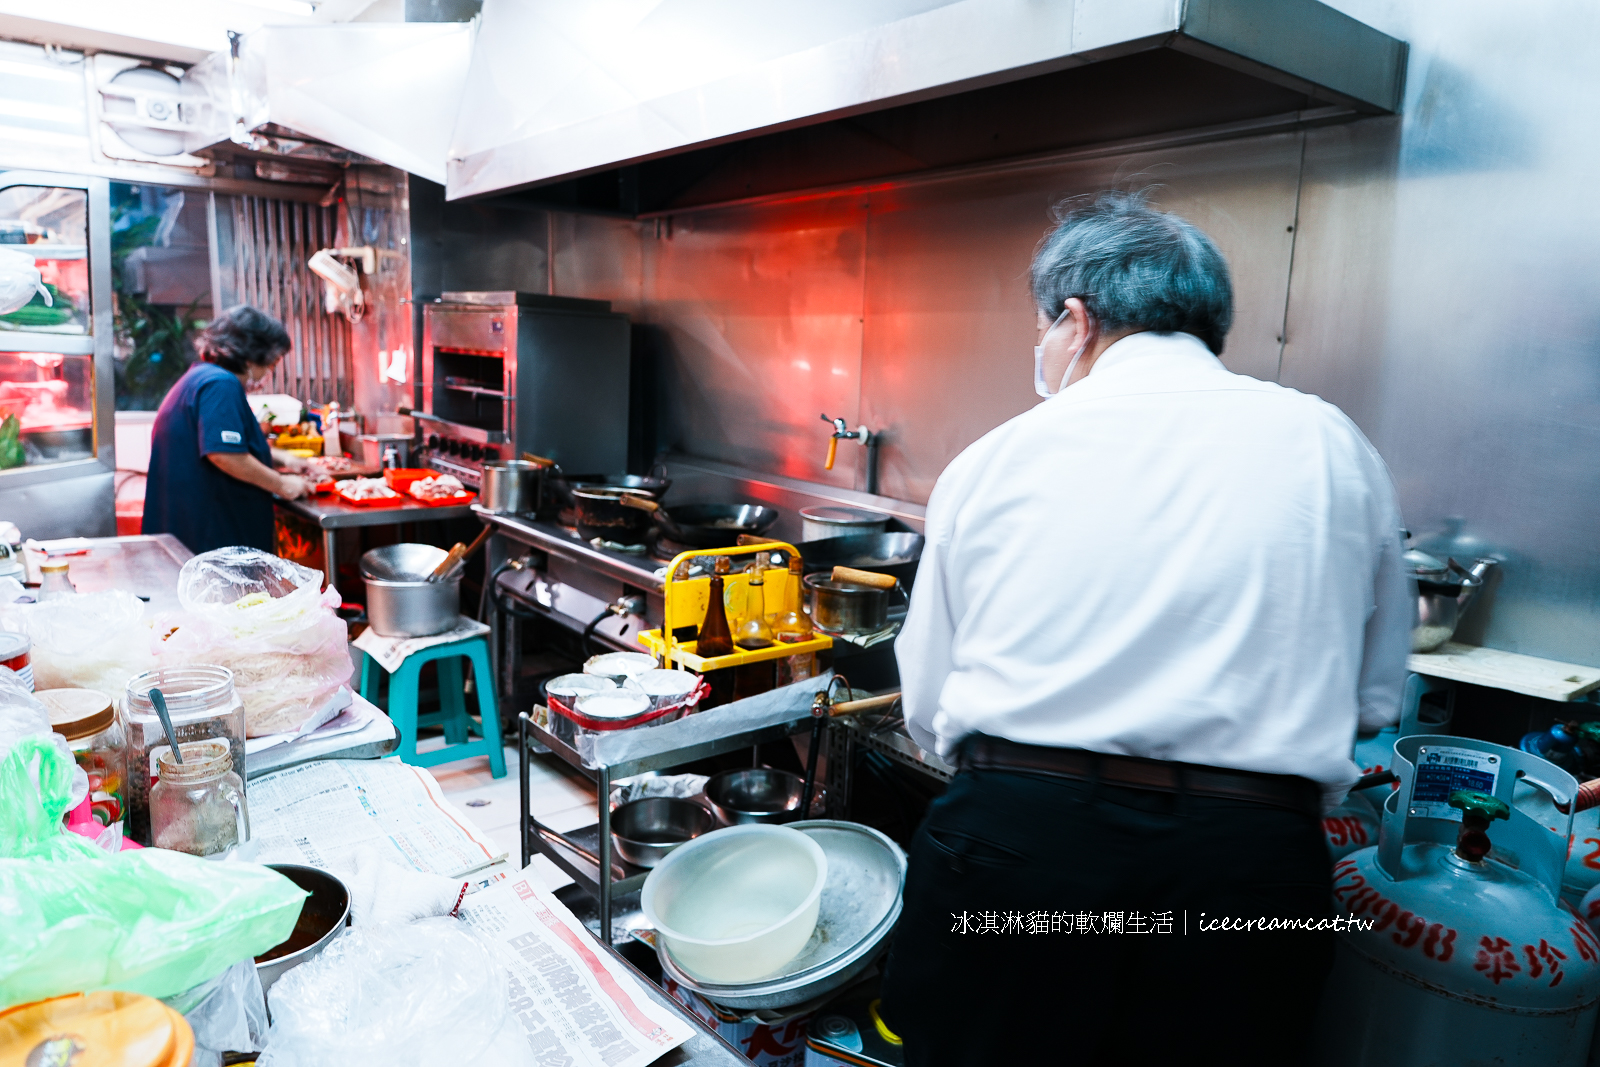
(1150, 614)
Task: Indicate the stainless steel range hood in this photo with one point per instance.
(387, 91)
(558, 90)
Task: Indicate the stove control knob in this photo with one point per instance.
(475, 452)
(433, 440)
(452, 446)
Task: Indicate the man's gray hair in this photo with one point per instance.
(1135, 268)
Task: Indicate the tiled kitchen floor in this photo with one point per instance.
(561, 801)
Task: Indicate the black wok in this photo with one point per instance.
(561, 484)
(708, 525)
(886, 553)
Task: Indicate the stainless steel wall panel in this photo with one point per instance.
(949, 320)
(600, 258)
(761, 309)
(1484, 391)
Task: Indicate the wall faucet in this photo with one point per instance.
(842, 432)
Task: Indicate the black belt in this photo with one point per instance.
(983, 753)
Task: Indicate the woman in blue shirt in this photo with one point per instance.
(211, 478)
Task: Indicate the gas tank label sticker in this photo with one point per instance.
(1442, 771)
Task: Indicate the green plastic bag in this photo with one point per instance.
(74, 917)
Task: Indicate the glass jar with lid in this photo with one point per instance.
(198, 806)
(54, 580)
(87, 719)
(203, 705)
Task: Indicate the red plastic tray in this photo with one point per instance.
(459, 499)
(376, 502)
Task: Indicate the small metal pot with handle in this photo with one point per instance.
(851, 602)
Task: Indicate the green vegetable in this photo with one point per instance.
(35, 313)
(11, 454)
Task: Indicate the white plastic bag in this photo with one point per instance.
(400, 994)
(87, 641)
(19, 280)
(269, 622)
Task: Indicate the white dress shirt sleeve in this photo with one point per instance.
(925, 645)
(1388, 641)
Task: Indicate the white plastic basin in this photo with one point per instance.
(739, 903)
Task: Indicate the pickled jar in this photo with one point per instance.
(203, 705)
(89, 722)
(198, 806)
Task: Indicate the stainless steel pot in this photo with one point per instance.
(401, 602)
(511, 487)
(1443, 592)
(848, 608)
(645, 830)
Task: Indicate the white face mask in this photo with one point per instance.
(1039, 385)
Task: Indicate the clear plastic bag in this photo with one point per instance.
(87, 641)
(269, 622)
(149, 921)
(400, 994)
(227, 1014)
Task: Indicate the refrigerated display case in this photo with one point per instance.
(57, 459)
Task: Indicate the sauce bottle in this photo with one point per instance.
(754, 633)
(792, 625)
(715, 638)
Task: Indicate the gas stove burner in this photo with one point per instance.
(664, 548)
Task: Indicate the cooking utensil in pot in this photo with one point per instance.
(603, 513)
(646, 830)
(160, 701)
(457, 558)
(707, 525)
(511, 487)
(887, 553)
(757, 795)
(849, 607)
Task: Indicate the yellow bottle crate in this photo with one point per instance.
(687, 599)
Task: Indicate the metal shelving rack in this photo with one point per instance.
(596, 873)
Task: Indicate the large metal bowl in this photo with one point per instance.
(646, 830)
(759, 795)
(325, 912)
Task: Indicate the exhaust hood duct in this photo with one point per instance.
(559, 90)
(387, 91)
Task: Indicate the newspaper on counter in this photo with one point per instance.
(576, 1003)
(319, 813)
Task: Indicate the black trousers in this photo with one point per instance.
(983, 969)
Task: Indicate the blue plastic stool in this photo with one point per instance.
(453, 714)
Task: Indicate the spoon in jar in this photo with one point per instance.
(160, 701)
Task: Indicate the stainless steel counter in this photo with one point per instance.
(146, 565)
(330, 515)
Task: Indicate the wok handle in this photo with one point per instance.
(851, 707)
(642, 503)
(454, 556)
(870, 578)
(529, 457)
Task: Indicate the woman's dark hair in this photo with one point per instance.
(241, 336)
